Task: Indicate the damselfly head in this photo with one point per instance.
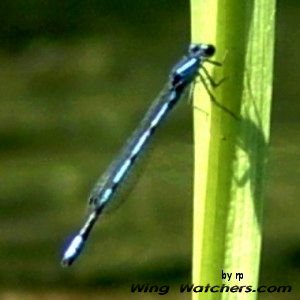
(206, 50)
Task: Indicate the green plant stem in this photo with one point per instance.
(230, 154)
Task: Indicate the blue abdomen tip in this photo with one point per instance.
(72, 251)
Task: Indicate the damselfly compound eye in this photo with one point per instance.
(208, 50)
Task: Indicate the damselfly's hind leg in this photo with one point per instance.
(212, 96)
(214, 84)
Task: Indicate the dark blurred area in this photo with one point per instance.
(76, 77)
(22, 22)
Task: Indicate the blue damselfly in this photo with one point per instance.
(181, 76)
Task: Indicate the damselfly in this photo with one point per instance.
(181, 76)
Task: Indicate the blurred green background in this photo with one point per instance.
(76, 77)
